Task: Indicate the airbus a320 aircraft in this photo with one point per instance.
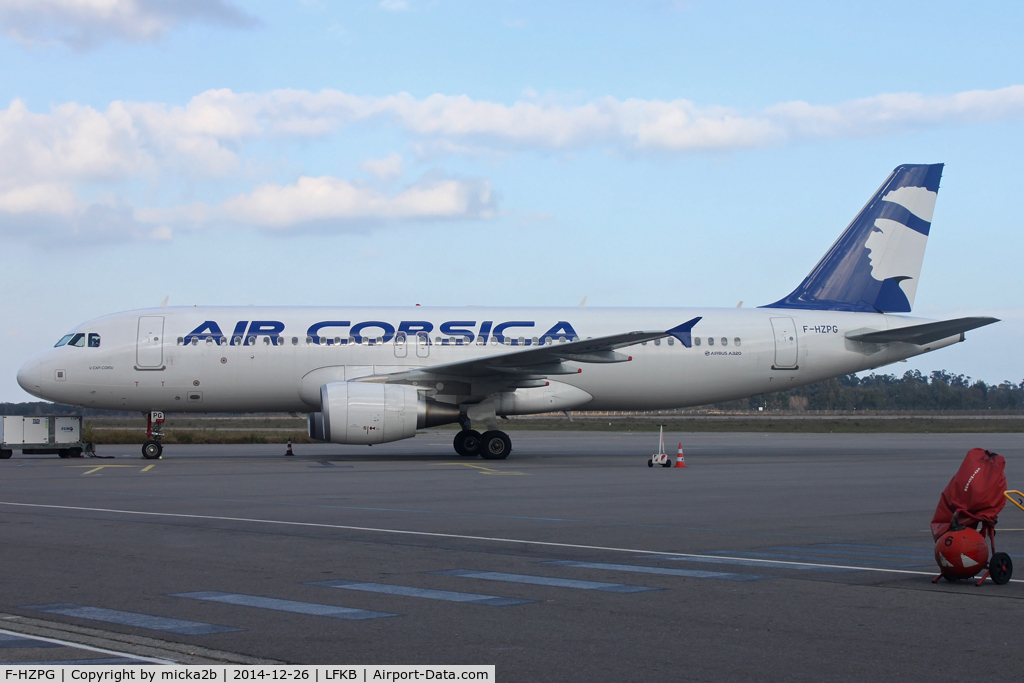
(374, 375)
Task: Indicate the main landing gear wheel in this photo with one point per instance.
(1000, 568)
(467, 443)
(495, 445)
(152, 450)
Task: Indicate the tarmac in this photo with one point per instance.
(796, 557)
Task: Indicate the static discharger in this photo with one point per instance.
(661, 457)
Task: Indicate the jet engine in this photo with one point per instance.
(364, 413)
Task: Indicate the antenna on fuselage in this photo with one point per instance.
(163, 304)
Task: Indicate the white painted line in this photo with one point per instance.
(435, 534)
(79, 646)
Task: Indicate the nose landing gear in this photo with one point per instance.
(153, 449)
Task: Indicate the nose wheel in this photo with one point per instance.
(152, 450)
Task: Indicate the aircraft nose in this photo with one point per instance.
(30, 376)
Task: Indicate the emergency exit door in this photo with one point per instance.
(785, 344)
(149, 347)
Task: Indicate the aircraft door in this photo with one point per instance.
(422, 345)
(401, 348)
(785, 344)
(149, 347)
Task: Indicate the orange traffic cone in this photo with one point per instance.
(679, 457)
(289, 451)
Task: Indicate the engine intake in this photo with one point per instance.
(364, 413)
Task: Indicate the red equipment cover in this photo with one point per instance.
(977, 490)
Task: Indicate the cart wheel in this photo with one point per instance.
(6, 453)
(650, 462)
(667, 463)
(151, 450)
(1000, 568)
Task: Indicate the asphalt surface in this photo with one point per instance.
(798, 557)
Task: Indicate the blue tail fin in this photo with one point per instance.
(876, 262)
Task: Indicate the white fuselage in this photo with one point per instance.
(262, 359)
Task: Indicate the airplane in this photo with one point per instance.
(375, 375)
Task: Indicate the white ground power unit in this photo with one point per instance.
(41, 434)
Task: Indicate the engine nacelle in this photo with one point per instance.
(364, 413)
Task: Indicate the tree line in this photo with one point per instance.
(914, 391)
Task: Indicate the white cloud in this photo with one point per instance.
(388, 168)
(325, 200)
(84, 24)
(73, 164)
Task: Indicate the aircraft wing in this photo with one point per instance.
(922, 334)
(540, 361)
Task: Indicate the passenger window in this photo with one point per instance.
(77, 340)
(711, 341)
(94, 340)
(252, 340)
(657, 342)
(736, 341)
(195, 341)
(209, 341)
(671, 341)
(66, 338)
(181, 340)
(238, 340)
(696, 341)
(725, 341)
(561, 340)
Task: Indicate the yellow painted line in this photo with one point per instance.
(147, 468)
(96, 468)
(484, 470)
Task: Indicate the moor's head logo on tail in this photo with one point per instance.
(876, 263)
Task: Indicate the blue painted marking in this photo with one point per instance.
(746, 563)
(410, 592)
(279, 605)
(690, 573)
(113, 616)
(7, 640)
(548, 581)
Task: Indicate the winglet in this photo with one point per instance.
(683, 332)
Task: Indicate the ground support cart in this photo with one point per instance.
(41, 434)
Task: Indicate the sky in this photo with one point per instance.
(446, 152)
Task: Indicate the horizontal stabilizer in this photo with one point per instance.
(922, 334)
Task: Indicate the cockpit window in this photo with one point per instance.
(94, 340)
(63, 340)
(77, 340)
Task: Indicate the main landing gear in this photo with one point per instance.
(492, 445)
